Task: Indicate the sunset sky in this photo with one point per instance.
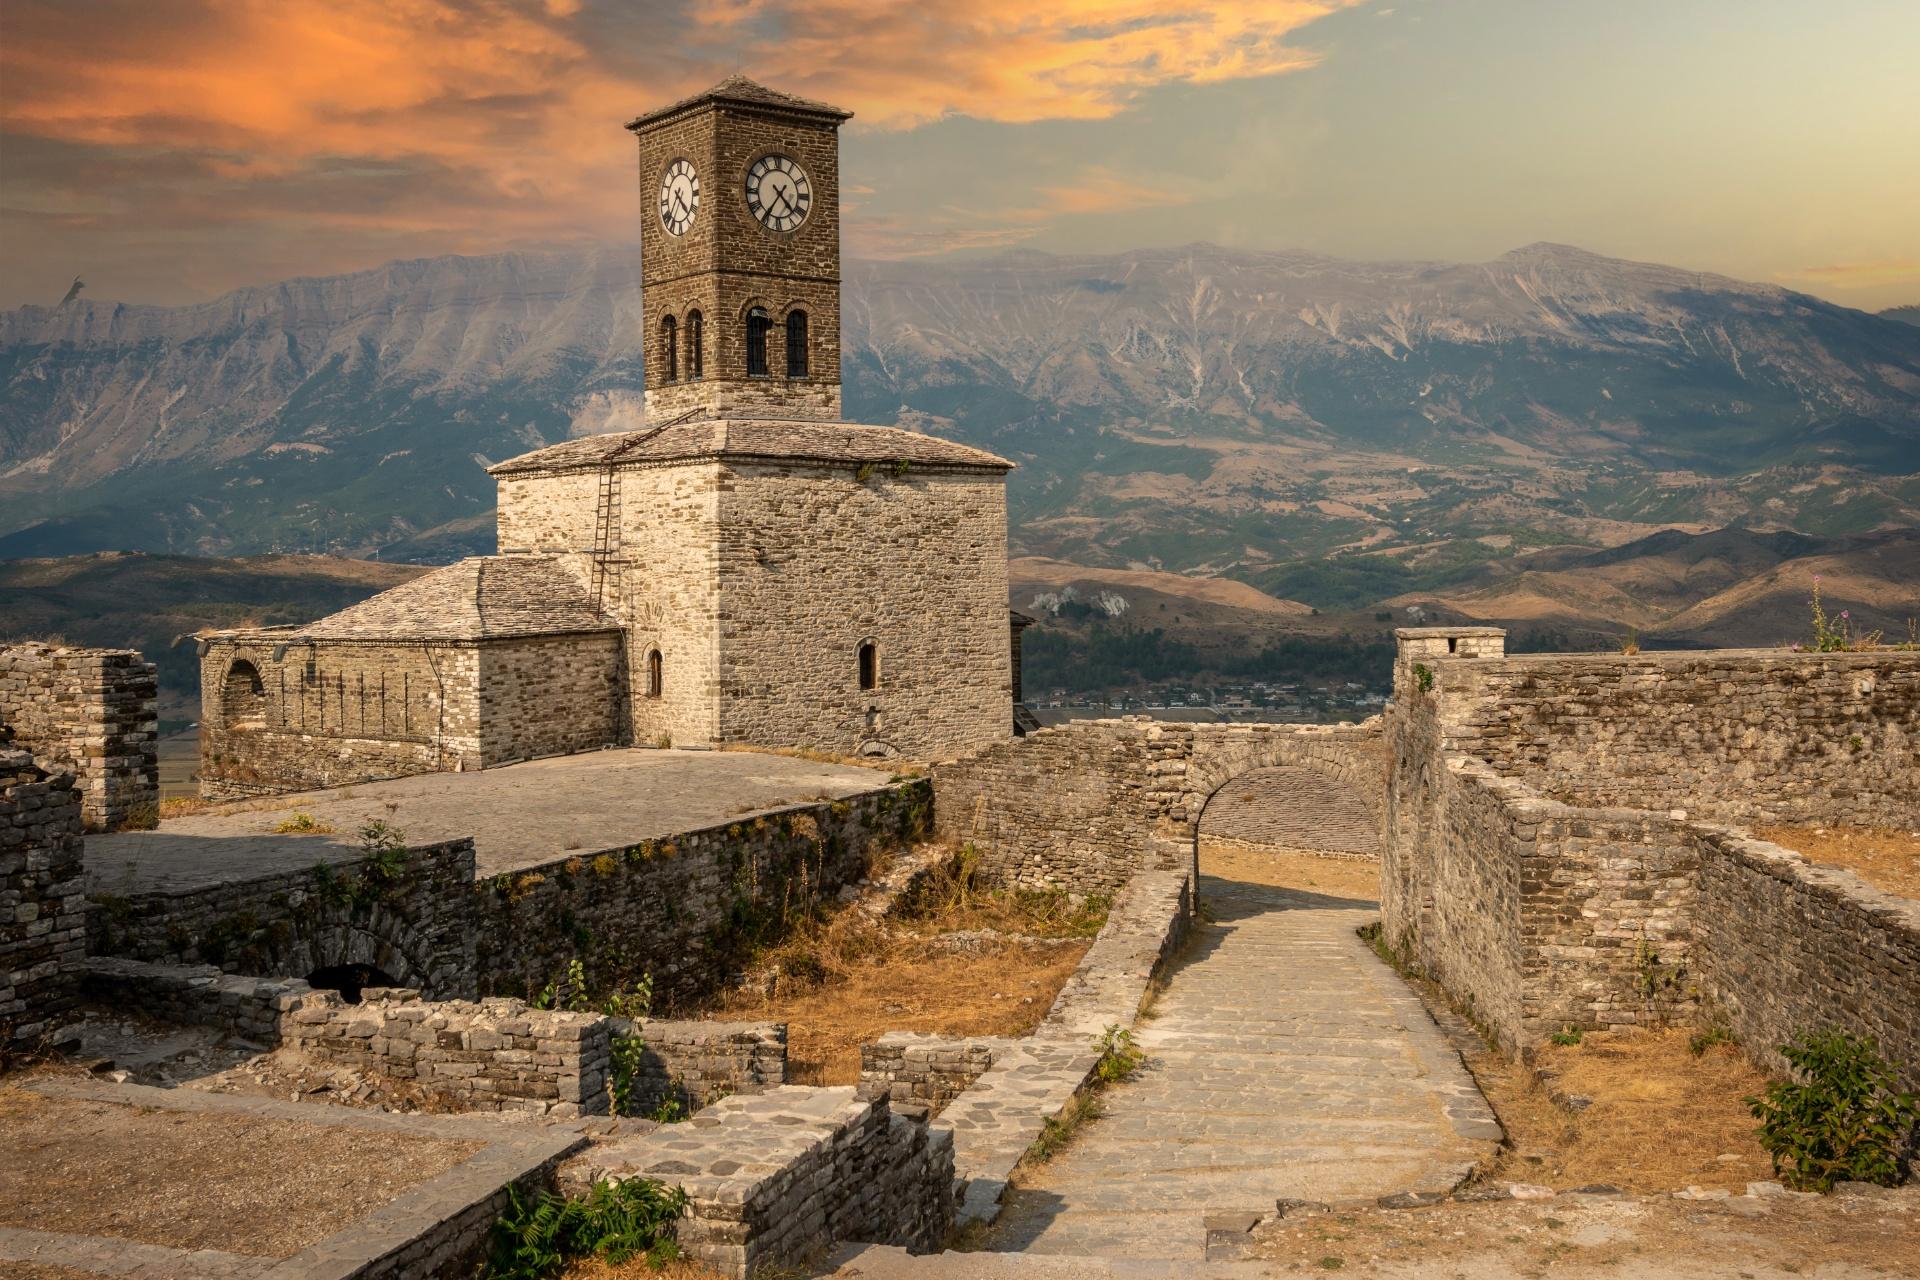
(169, 150)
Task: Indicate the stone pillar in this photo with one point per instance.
(92, 711)
(43, 918)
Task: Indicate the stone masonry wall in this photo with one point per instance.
(682, 908)
(494, 1055)
(696, 1063)
(550, 695)
(667, 596)
(814, 560)
(1541, 914)
(42, 905)
(774, 1180)
(1726, 735)
(92, 710)
(336, 712)
(417, 927)
(1077, 805)
(1787, 947)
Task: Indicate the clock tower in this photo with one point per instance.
(740, 254)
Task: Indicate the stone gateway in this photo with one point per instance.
(743, 569)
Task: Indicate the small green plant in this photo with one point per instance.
(864, 473)
(1842, 1120)
(670, 1110)
(1120, 1057)
(570, 992)
(1701, 1041)
(301, 823)
(615, 1221)
(1568, 1036)
(1423, 677)
(385, 849)
(900, 468)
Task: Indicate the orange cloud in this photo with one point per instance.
(1863, 274)
(1095, 189)
(467, 124)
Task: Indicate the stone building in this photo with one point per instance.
(745, 568)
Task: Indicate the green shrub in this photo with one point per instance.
(1423, 677)
(616, 1221)
(1702, 1041)
(1567, 1036)
(1842, 1120)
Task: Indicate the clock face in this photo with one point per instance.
(679, 197)
(778, 193)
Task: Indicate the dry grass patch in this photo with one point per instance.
(1885, 858)
(1662, 1118)
(1004, 989)
(266, 1188)
(843, 982)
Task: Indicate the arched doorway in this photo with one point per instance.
(1291, 827)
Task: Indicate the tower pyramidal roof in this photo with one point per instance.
(739, 89)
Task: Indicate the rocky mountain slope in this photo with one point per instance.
(1329, 431)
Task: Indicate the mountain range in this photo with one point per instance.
(1328, 431)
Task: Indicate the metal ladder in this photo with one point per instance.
(606, 538)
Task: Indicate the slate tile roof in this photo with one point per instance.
(741, 89)
(482, 598)
(771, 439)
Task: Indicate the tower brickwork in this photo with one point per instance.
(740, 225)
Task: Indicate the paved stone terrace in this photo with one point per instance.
(1284, 1060)
(520, 815)
(1293, 808)
(428, 1229)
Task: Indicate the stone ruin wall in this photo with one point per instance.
(418, 928)
(1079, 805)
(679, 907)
(487, 1055)
(1541, 913)
(333, 713)
(43, 937)
(93, 712)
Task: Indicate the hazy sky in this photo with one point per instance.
(169, 150)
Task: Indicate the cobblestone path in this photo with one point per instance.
(1284, 1060)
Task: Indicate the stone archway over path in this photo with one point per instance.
(1295, 808)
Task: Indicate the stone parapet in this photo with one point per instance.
(681, 908)
(92, 712)
(414, 924)
(43, 936)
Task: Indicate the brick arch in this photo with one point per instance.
(1353, 758)
(379, 938)
(1294, 806)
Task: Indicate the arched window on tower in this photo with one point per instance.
(759, 325)
(869, 665)
(796, 344)
(696, 345)
(669, 349)
(654, 681)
